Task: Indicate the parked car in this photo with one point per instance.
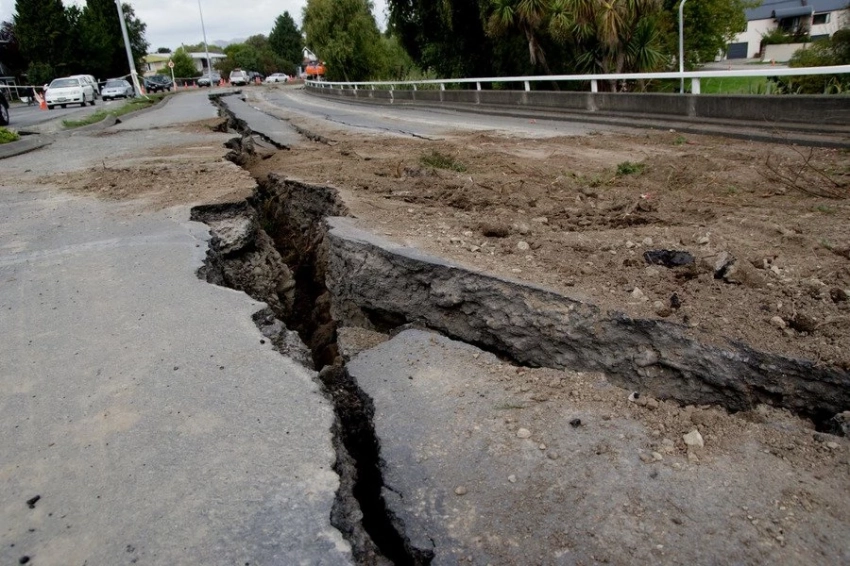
(4, 109)
(117, 88)
(91, 80)
(205, 80)
(254, 77)
(277, 78)
(69, 90)
(158, 83)
(238, 77)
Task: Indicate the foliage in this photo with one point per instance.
(709, 27)
(778, 37)
(7, 136)
(255, 54)
(439, 160)
(57, 41)
(184, 65)
(344, 34)
(10, 51)
(832, 51)
(163, 50)
(629, 168)
(200, 48)
(43, 33)
(286, 42)
(102, 40)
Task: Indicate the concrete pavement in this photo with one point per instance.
(146, 419)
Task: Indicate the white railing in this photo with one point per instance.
(694, 76)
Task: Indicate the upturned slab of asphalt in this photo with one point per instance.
(145, 418)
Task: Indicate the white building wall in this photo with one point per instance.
(755, 30)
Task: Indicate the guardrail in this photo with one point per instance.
(693, 76)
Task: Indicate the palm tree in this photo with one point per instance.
(528, 16)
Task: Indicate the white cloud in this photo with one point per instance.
(178, 21)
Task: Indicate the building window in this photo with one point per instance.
(820, 19)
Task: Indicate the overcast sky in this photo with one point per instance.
(173, 22)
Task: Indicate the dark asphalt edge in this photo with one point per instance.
(729, 129)
(25, 145)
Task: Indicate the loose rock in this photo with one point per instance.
(694, 438)
(523, 246)
(461, 490)
(523, 433)
(778, 322)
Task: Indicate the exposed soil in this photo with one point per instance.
(577, 214)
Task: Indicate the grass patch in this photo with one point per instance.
(629, 168)
(734, 85)
(438, 160)
(130, 106)
(508, 406)
(680, 140)
(8, 136)
(825, 209)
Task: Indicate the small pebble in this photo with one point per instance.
(461, 490)
(523, 246)
(575, 423)
(523, 433)
(694, 438)
(777, 322)
(832, 445)
(512, 478)
(552, 455)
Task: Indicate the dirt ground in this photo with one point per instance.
(577, 214)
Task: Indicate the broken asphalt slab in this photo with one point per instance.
(278, 132)
(487, 463)
(143, 406)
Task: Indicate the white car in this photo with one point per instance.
(91, 80)
(69, 90)
(277, 78)
(238, 77)
(117, 88)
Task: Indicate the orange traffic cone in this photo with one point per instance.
(42, 104)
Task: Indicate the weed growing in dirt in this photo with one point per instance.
(825, 209)
(629, 168)
(438, 160)
(680, 140)
(7, 136)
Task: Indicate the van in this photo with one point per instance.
(90, 80)
(238, 77)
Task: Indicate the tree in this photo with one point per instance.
(163, 50)
(449, 38)
(184, 65)
(528, 16)
(610, 36)
(286, 41)
(834, 50)
(103, 41)
(343, 33)
(709, 26)
(10, 51)
(43, 33)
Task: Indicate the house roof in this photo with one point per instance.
(769, 9)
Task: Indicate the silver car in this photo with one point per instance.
(117, 88)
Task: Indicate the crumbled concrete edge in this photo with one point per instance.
(377, 284)
(25, 145)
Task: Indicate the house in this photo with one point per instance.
(815, 18)
(157, 63)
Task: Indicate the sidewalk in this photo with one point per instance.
(146, 418)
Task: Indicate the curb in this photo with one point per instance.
(24, 145)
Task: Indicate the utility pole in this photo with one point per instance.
(206, 47)
(682, 45)
(133, 74)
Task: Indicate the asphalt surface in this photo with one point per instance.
(145, 418)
